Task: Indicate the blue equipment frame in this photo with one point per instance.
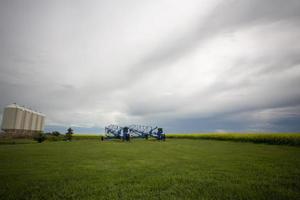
(134, 131)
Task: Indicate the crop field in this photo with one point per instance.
(268, 138)
(175, 169)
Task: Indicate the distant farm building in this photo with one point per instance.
(18, 120)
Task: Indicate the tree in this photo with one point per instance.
(39, 137)
(56, 133)
(69, 134)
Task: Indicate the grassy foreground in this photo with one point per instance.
(268, 138)
(175, 169)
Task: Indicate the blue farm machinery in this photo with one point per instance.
(133, 131)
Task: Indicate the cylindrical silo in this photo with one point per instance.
(20, 120)
(27, 119)
(42, 122)
(38, 122)
(9, 116)
(33, 121)
(12, 118)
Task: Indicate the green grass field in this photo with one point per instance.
(175, 169)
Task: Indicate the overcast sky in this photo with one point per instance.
(188, 66)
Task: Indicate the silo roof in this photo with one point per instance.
(14, 105)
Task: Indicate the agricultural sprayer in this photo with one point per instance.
(133, 131)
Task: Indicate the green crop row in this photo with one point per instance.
(268, 138)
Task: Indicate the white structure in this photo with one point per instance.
(19, 120)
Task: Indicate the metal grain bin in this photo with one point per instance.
(38, 122)
(33, 121)
(12, 117)
(20, 120)
(43, 122)
(9, 113)
(27, 119)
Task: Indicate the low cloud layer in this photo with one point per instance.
(186, 66)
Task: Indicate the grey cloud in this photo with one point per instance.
(91, 63)
(226, 17)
